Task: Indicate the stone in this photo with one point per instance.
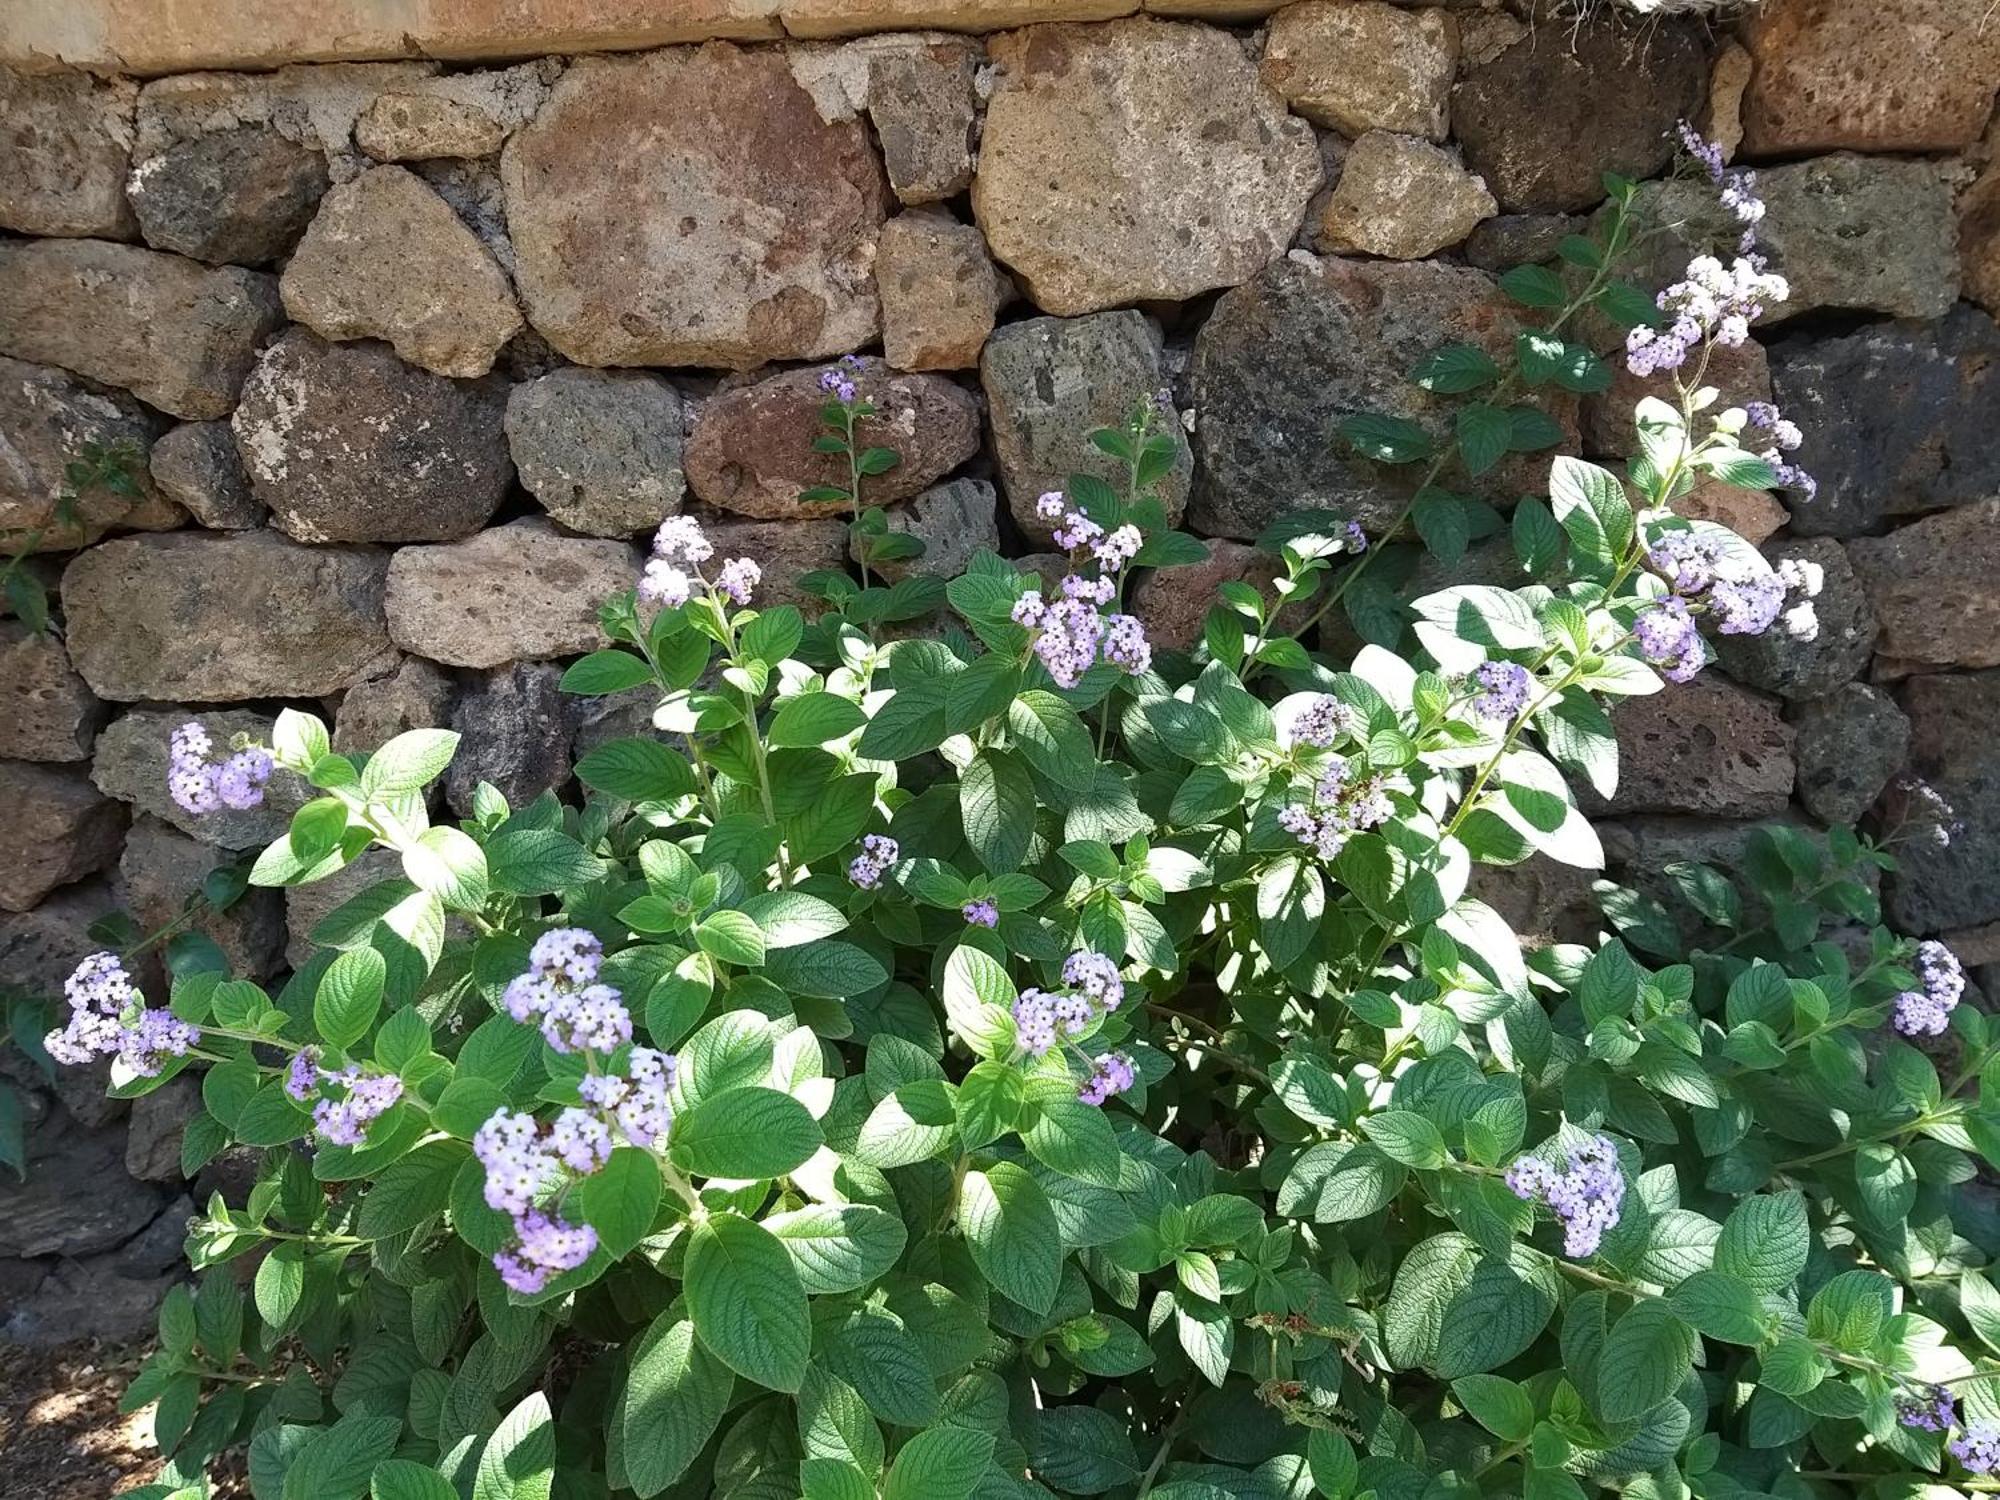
(1546, 118)
(47, 1215)
(47, 711)
(1850, 744)
(758, 245)
(1402, 198)
(347, 443)
(86, 1299)
(178, 335)
(58, 830)
(217, 619)
(1049, 383)
(1139, 160)
(196, 465)
(161, 1247)
(473, 189)
(751, 448)
(600, 449)
(1740, 376)
(1867, 233)
(953, 520)
(131, 765)
(50, 420)
(518, 592)
(1728, 81)
(786, 551)
(1362, 65)
(1707, 747)
(41, 948)
(418, 127)
(1510, 240)
(1641, 853)
(386, 258)
(1795, 669)
(162, 869)
(1542, 900)
(65, 146)
(1174, 602)
(940, 293)
(1897, 420)
(1283, 361)
(238, 196)
(416, 695)
(924, 106)
(1884, 75)
(1754, 515)
(306, 906)
(1936, 586)
(153, 1136)
(1979, 239)
(514, 733)
(1948, 862)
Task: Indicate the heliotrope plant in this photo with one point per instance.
(1020, 1061)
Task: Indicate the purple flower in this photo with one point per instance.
(1071, 633)
(980, 913)
(1746, 606)
(109, 1016)
(588, 1020)
(1928, 1410)
(1050, 505)
(569, 953)
(680, 539)
(665, 585)
(580, 1140)
(1340, 807)
(345, 1122)
(739, 579)
(1588, 1197)
(1110, 1074)
(575, 1014)
(867, 868)
(1117, 549)
(1686, 561)
(1978, 1448)
(1125, 644)
(518, 1167)
(544, 1244)
(1035, 1021)
(645, 1109)
(1667, 637)
(1077, 530)
(239, 781)
(200, 787)
(1926, 1012)
(1029, 610)
(1504, 688)
(1324, 721)
(302, 1075)
(1355, 538)
(1096, 976)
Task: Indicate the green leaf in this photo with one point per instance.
(1407, 1137)
(1334, 1181)
(410, 1190)
(408, 763)
(1048, 732)
(1645, 1357)
(1389, 440)
(839, 1247)
(281, 1281)
(519, 1460)
(827, 970)
(403, 1479)
(907, 723)
(978, 997)
(749, 1133)
(620, 1199)
(1499, 1405)
(945, 1463)
(638, 770)
(997, 805)
(835, 1423)
(604, 672)
(1455, 369)
(746, 1301)
(1011, 1230)
(1765, 1242)
(1719, 1306)
(449, 865)
(674, 1395)
(1534, 286)
(732, 936)
(813, 719)
(1483, 435)
(1592, 507)
(1080, 1450)
(538, 862)
(789, 918)
(1075, 1139)
(348, 997)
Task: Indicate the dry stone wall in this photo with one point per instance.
(416, 353)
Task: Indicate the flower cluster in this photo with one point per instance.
(839, 381)
(1092, 987)
(107, 1015)
(1741, 601)
(673, 573)
(1587, 1198)
(1323, 722)
(559, 990)
(1978, 1448)
(1341, 806)
(530, 1165)
(199, 785)
(1073, 634)
(1927, 1011)
(366, 1097)
(982, 912)
(1503, 690)
(1928, 1410)
(878, 852)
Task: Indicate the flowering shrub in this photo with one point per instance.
(1017, 1061)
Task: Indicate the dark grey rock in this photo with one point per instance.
(953, 520)
(162, 1245)
(347, 443)
(47, 711)
(48, 1214)
(600, 449)
(1850, 743)
(1779, 663)
(162, 869)
(515, 735)
(1953, 881)
(1512, 240)
(196, 465)
(242, 196)
(153, 1129)
(56, 829)
(1706, 747)
(48, 418)
(307, 905)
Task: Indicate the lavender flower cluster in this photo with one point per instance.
(982, 912)
(108, 1015)
(199, 785)
(1092, 987)
(1740, 600)
(364, 1099)
(1978, 1448)
(878, 852)
(839, 381)
(1503, 690)
(1933, 1409)
(1323, 722)
(1074, 632)
(1927, 1011)
(560, 992)
(673, 574)
(1587, 1198)
(1341, 805)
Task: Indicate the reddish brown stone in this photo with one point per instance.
(47, 712)
(940, 293)
(786, 551)
(1706, 746)
(1174, 602)
(751, 448)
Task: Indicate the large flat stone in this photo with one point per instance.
(58, 829)
(751, 448)
(65, 146)
(1139, 160)
(218, 619)
(1362, 65)
(1936, 586)
(178, 335)
(347, 443)
(242, 195)
(1707, 747)
(519, 592)
(162, 869)
(758, 245)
